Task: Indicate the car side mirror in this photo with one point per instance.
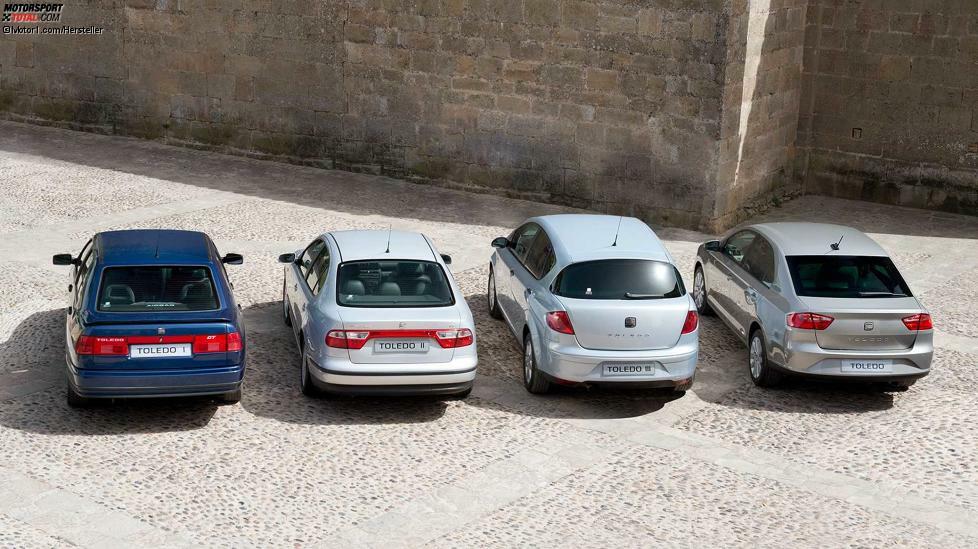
(63, 259)
(712, 246)
(232, 259)
(446, 258)
(286, 258)
(501, 242)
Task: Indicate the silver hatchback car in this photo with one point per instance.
(594, 299)
(814, 299)
(378, 312)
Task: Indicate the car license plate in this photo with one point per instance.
(867, 366)
(158, 350)
(621, 370)
(401, 346)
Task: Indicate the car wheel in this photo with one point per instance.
(305, 378)
(231, 397)
(494, 310)
(533, 380)
(75, 400)
(898, 386)
(286, 317)
(761, 372)
(699, 293)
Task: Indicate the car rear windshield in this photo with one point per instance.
(846, 276)
(393, 284)
(156, 288)
(619, 279)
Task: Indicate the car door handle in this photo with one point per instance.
(751, 296)
(295, 286)
(303, 306)
(527, 292)
(512, 272)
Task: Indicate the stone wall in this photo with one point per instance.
(685, 112)
(890, 112)
(609, 105)
(761, 94)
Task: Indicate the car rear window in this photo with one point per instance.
(846, 276)
(619, 279)
(393, 284)
(157, 288)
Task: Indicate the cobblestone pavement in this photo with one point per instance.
(726, 464)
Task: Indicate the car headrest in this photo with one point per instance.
(390, 288)
(196, 290)
(120, 294)
(410, 269)
(354, 287)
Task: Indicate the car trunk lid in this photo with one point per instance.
(401, 336)
(627, 325)
(157, 346)
(865, 324)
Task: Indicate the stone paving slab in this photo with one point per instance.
(724, 465)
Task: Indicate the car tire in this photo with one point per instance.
(306, 385)
(286, 317)
(699, 293)
(492, 300)
(533, 379)
(898, 386)
(231, 397)
(758, 366)
(75, 400)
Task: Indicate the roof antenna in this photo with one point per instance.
(835, 245)
(388, 250)
(615, 243)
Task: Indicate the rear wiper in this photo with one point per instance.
(630, 295)
(881, 294)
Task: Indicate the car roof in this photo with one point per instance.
(373, 244)
(586, 237)
(153, 246)
(803, 238)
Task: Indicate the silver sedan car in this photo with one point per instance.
(815, 300)
(594, 300)
(378, 312)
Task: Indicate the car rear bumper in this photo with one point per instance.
(809, 359)
(659, 368)
(343, 376)
(155, 383)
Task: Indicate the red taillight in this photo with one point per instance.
(918, 322)
(355, 339)
(214, 343)
(809, 321)
(234, 342)
(692, 321)
(102, 346)
(454, 338)
(560, 322)
(344, 339)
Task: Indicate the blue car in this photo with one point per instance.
(152, 315)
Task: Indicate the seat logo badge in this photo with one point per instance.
(868, 326)
(630, 322)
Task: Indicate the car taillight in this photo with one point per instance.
(347, 339)
(692, 321)
(918, 322)
(102, 346)
(454, 338)
(214, 343)
(809, 321)
(234, 342)
(560, 322)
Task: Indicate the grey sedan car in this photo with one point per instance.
(378, 313)
(594, 300)
(815, 300)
